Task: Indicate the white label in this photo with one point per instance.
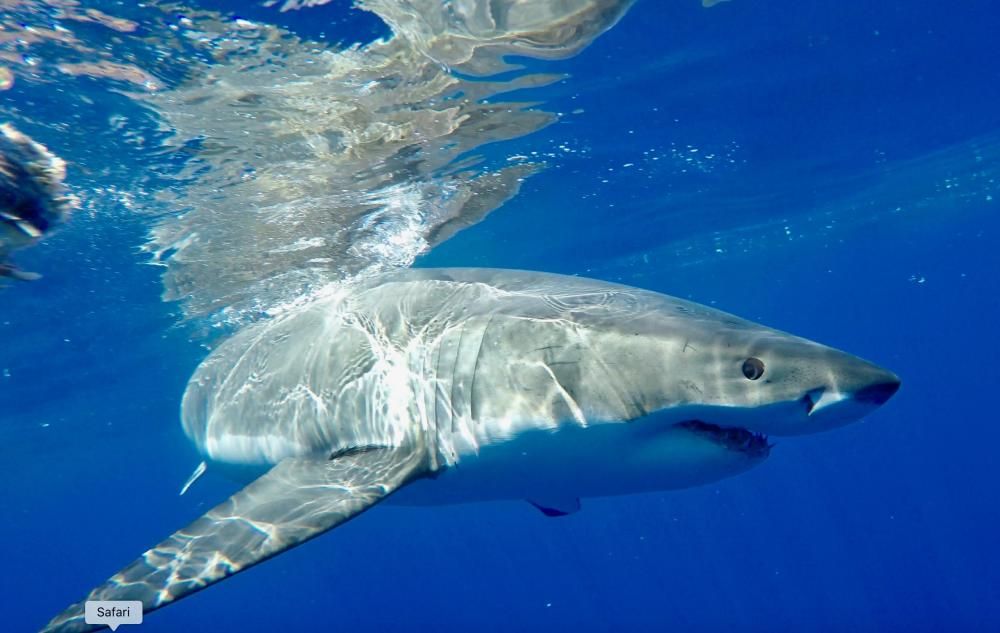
(113, 612)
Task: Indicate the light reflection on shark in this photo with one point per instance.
(454, 385)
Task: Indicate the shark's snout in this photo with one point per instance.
(806, 388)
(855, 389)
(878, 393)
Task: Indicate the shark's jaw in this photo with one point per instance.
(754, 445)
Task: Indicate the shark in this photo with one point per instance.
(439, 386)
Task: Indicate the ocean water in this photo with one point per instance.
(829, 169)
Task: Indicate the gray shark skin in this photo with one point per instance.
(456, 385)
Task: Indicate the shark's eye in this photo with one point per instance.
(753, 368)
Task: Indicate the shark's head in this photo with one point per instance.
(724, 371)
(785, 385)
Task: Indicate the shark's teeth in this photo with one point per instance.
(733, 438)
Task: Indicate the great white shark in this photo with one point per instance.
(454, 385)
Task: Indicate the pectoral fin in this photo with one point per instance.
(556, 506)
(295, 501)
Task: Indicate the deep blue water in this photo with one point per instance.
(851, 199)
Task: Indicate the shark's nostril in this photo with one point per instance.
(878, 393)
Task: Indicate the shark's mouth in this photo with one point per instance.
(733, 438)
